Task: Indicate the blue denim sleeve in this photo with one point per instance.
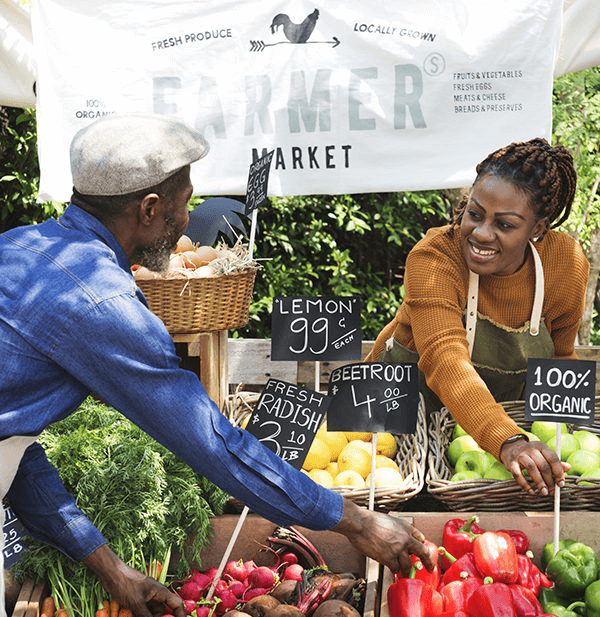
(125, 355)
(47, 511)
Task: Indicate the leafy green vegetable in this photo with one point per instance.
(140, 496)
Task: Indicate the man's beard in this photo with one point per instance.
(155, 256)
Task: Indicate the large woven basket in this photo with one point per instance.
(201, 304)
(410, 457)
(499, 495)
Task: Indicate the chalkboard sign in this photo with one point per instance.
(316, 328)
(286, 418)
(560, 390)
(13, 538)
(258, 181)
(374, 397)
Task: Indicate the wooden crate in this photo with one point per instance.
(30, 598)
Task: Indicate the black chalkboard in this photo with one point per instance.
(374, 397)
(316, 328)
(13, 538)
(258, 181)
(560, 390)
(286, 418)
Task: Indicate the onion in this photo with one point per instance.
(184, 244)
(143, 274)
(206, 253)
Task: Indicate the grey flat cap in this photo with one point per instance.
(128, 152)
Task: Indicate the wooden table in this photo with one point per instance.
(207, 354)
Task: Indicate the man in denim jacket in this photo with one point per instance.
(73, 322)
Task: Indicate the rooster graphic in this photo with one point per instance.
(295, 33)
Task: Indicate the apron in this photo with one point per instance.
(11, 453)
(499, 354)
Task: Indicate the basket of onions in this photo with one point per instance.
(205, 288)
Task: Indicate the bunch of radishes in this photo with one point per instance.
(240, 581)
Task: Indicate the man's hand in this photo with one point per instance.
(144, 595)
(541, 462)
(386, 539)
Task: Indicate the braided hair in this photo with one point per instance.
(546, 174)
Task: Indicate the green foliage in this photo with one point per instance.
(142, 498)
(339, 245)
(19, 171)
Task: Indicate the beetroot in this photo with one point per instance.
(262, 576)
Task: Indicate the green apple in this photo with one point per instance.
(568, 444)
(474, 460)
(458, 431)
(461, 476)
(546, 430)
(583, 461)
(459, 445)
(532, 436)
(497, 471)
(594, 473)
(588, 440)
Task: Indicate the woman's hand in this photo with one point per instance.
(144, 595)
(541, 462)
(386, 539)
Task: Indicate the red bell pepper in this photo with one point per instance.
(525, 576)
(539, 580)
(433, 577)
(520, 539)
(496, 556)
(458, 537)
(453, 614)
(466, 563)
(437, 602)
(456, 594)
(492, 600)
(525, 602)
(410, 597)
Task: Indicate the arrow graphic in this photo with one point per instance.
(261, 45)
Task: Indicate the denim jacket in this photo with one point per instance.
(73, 322)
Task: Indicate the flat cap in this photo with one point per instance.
(128, 152)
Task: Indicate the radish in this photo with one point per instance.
(293, 572)
(289, 558)
(264, 577)
(237, 588)
(191, 591)
(211, 573)
(236, 570)
(253, 592)
(249, 566)
(228, 601)
(201, 579)
(189, 606)
(203, 611)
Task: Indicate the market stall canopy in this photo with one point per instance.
(408, 98)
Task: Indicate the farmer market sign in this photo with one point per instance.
(13, 537)
(350, 98)
(316, 328)
(560, 390)
(286, 418)
(374, 397)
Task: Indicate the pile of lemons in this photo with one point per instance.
(337, 458)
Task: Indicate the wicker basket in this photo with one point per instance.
(201, 304)
(499, 495)
(410, 457)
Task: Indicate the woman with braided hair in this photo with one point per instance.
(483, 294)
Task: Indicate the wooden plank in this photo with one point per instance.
(35, 601)
(590, 352)
(23, 599)
(373, 589)
(250, 363)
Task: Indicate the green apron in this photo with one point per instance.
(499, 354)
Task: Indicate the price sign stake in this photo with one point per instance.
(560, 391)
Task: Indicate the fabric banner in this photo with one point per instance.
(350, 97)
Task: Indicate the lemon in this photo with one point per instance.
(363, 445)
(384, 461)
(332, 468)
(336, 440)
(362, 436)
(353, 458)
(386, 445)
(245, 421)
(318, 455)
(385, 476)
(349, 478)
(322, 477)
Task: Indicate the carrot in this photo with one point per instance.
(102, 611)
(62, 613)
(114, 608)
(48, 607)
(125, 612)
(106, 604)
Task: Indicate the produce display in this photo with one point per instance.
(338, 458)
(580, 449)
(491, 573)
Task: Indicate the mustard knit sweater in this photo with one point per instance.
(430, 320)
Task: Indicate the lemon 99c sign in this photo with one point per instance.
(286, 418)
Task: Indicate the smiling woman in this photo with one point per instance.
(487, 292)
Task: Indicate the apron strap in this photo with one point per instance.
(538, 301)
